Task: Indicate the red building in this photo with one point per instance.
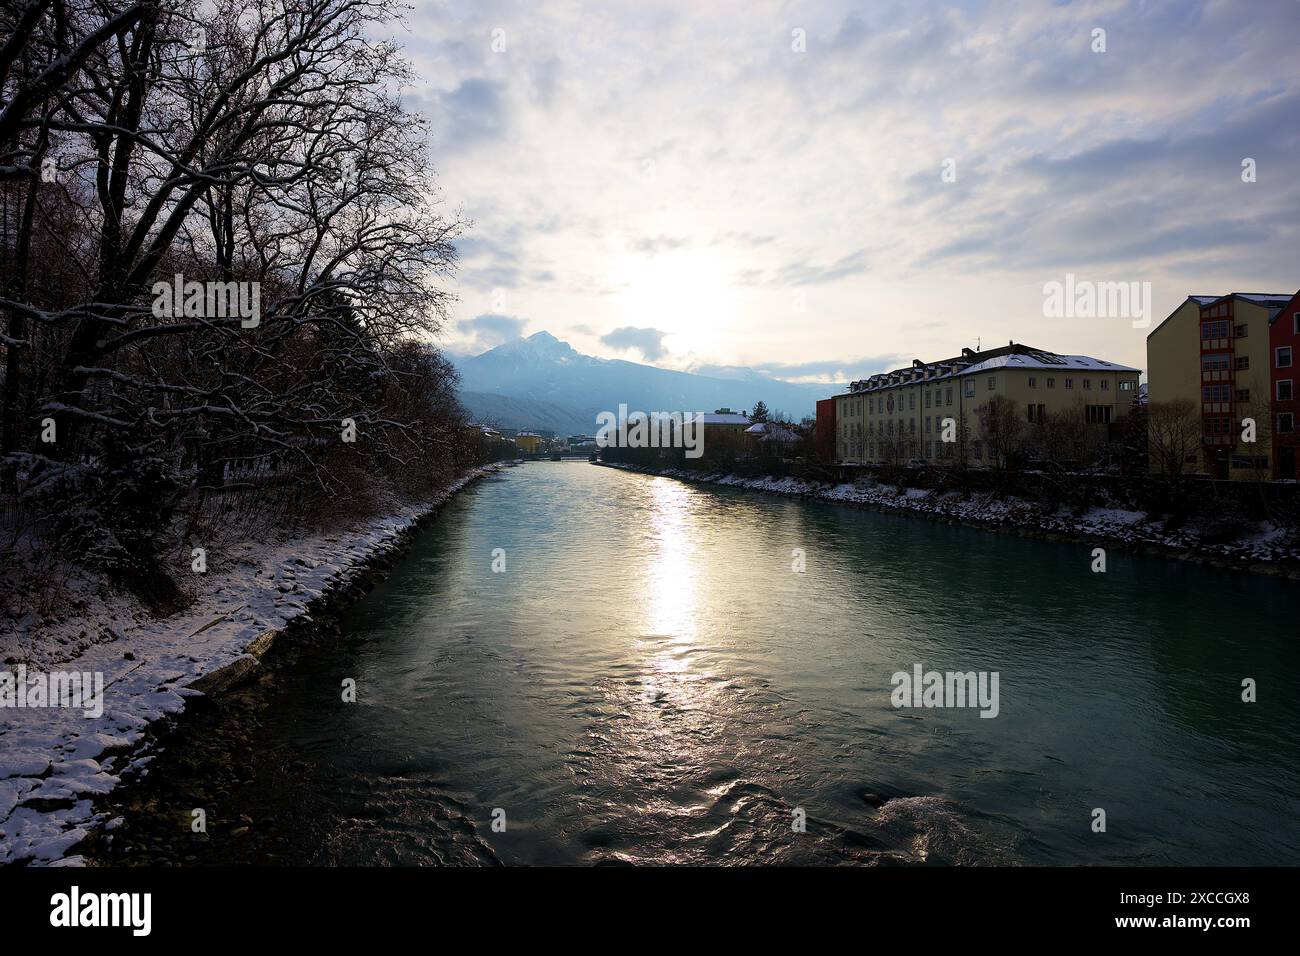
(1283, 363)
(825, 441)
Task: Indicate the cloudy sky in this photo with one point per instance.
(821, 190)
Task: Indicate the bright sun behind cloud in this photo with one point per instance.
(685, 293)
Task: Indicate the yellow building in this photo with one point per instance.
(1213, 352)
(528, 442)
(979, 406)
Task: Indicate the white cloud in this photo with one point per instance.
(678, 167)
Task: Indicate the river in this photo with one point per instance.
(646, 679)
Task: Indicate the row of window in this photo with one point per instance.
(1219, 330)
(939, 397)
(932, 398)
(1218, 426)
(933, 449)
(1220, 361)
(1087, 384)
(1283, 391)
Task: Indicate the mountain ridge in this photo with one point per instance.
(542, 368)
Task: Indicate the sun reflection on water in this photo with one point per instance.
(669, 602)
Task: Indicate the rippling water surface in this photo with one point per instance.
(648, 681)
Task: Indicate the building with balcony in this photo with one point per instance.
(1215, 352)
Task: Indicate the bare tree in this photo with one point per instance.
(1000, 430)
(1173, 436)
(251, 142)
(1061, 438)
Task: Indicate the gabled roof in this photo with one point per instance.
(713, 418)
(1290, 306)
(1049, 361)
(771, 432)
(1274, 299)
(1013, 355)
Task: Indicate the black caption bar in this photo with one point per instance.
(140, 907)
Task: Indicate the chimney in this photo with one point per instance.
(967, 353)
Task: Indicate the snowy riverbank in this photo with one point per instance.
(55, 761)
(1265, 550)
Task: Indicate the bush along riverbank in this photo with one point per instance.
(1261, 547)
(56, 762)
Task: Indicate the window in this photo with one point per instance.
(927, 424)
(1242, 362)
(927, 398)
(1098, 414)
(1239, 330)
(871, 449)
(948, 393)
(1250, 461)
(1069, 383)
(1214, 330)
(871, 405)
(1242, 394)
(1284, 391)
(977, 449)
(1295, 324)
(1282, 357)
(929, 448)
(1215, 393)
(970, 387)
(1217, 426)
(1033, 382)
(1285, 423)
(1126, 386)
(1051, 383)
(1105, 384)
(1087, 384)
(993, 382)
(1037, 413)
(911, 400)
(1214, 361)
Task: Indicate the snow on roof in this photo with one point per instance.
(1049, 361)
(772, 432)
(713, 418)
(1251, 296)
(1012, 355)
